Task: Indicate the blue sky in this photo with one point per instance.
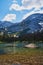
(17, 10)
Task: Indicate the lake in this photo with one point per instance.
(15, 47)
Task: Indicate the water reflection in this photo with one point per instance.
(10, 47)
(14, 47)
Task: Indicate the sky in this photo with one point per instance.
(17, 10)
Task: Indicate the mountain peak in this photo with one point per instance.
(29, 25)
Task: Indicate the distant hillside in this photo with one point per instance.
(5, 24)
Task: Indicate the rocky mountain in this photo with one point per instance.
(5, 24)
(28, 25)
(31, 24)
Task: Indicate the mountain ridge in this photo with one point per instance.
(31, 22)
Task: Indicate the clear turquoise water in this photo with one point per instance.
(14, 47)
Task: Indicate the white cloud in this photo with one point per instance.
(9, 17)
(14, 1)
(16, 7)
(27, 4)
(32, 3)
(19, 8)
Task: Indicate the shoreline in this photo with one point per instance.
(22, 58)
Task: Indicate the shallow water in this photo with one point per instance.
(14, 47)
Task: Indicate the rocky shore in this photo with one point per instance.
(21, 59)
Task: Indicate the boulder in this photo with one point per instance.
(31, 46)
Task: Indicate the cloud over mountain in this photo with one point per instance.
(23, 8)
(9, 17)
(30, 13)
